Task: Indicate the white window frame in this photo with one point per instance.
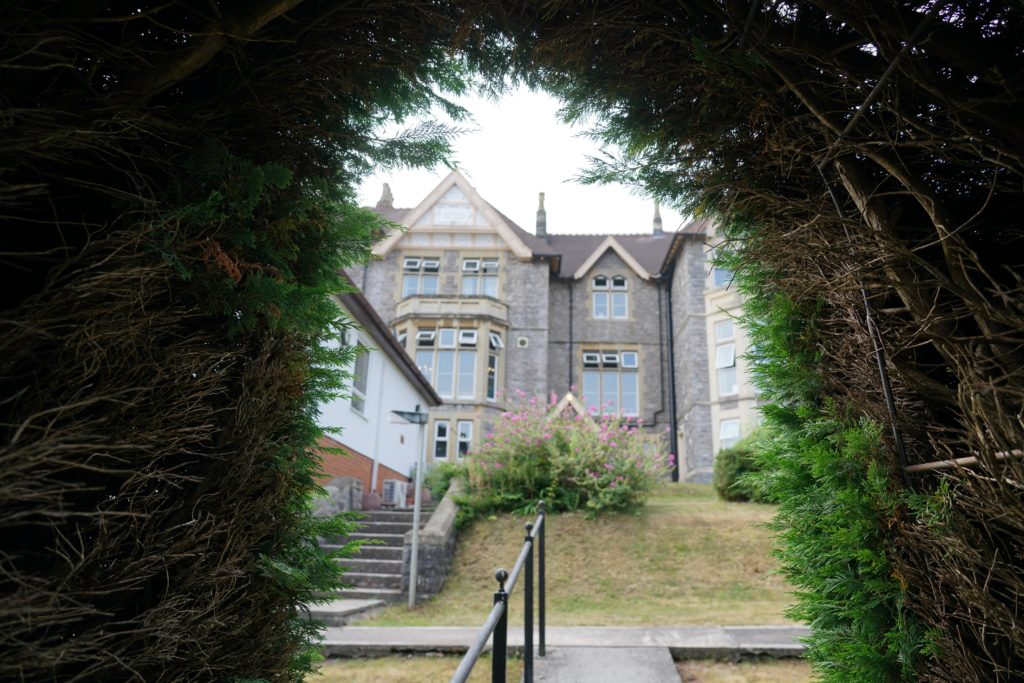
(618, 282)
(471, 265)
(725, 356)
(495, 340)
(606, 305)
(493, 363)
(425, 336)
(725, 432)
(725, 337)
(467, 337)
(489, 265)
(446, 439)
(411, 264)
(431, 265)
(360, 379)
(734, 388)
(605, 282)
(618, 296)
(460, 441)
(460, 373)
(604, 363)
(451, 333)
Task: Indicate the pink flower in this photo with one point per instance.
(608, 466)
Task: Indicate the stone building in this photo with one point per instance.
(488, 309)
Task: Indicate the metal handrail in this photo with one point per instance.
(497, 621)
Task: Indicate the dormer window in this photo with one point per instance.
(609, 298)
(420, 276)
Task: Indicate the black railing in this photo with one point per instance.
(497, 620)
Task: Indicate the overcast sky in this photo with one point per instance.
(520, 148)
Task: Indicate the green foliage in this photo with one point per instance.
(440, 476)
(733, 467)
(835, 502)
(602, 464)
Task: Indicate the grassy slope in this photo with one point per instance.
(686, 559)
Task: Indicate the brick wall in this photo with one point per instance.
(352, 464)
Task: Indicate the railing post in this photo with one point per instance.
(528, 609)
(540, 569)
(499, 651)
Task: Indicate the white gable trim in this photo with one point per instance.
(504, 230)
(613, 244)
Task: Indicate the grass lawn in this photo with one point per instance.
(686, 559)
(407, 669)
(763, 671)
(425, 668)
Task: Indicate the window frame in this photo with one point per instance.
(459, 441)
(438, 439)
(603, 365)
(358, 394)
(722, 438)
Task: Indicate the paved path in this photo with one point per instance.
(606, 665)
(683, 642)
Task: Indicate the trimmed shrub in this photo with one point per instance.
(733, 467)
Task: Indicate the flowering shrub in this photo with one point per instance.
(600, 463)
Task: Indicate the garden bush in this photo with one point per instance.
(733, 466)
(599, 464)
(439, 477)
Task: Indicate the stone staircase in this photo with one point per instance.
(375, 572)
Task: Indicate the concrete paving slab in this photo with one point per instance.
(606, 665)
(684, 642)
(345, 610)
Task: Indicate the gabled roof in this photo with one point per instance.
(372, 324)
(612, 243)
(501, 224)
(650, 255)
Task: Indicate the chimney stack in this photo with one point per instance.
(386, 201)
(657, 218)
(542, 218)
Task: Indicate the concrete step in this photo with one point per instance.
(392, 540)
(373, 580)
(345, 611)
(386, 528)
(363, 564)
(379, 552)
(388, 595)
(606, 665)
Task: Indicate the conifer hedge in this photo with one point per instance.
(177, 188)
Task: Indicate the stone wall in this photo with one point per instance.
(643, 330)
(436, 547)
(527, 295)
(691, 363)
